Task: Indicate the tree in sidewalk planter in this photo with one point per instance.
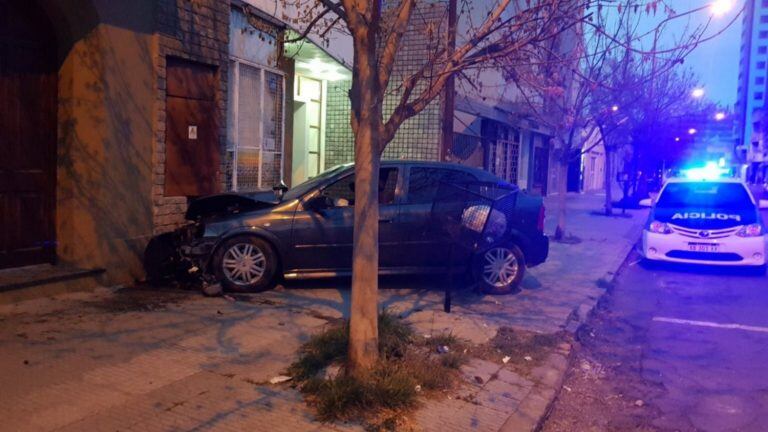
(568, 83)
(491, 31)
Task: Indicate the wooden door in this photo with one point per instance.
(192, 163)
(28, 99)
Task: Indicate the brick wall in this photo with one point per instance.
(196, 30)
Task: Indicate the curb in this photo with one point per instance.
(535, 408)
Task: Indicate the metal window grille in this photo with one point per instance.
(503, 157)
(254, 127)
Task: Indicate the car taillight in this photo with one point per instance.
(752, 230)
(659, 228)
(540, 221)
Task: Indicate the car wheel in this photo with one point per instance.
(245, 264)
(500, 269)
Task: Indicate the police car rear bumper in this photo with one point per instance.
(729, 251)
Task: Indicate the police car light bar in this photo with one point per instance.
(710, 171)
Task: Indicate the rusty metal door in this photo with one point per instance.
(192, 164)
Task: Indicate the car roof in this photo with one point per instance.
(479, 172)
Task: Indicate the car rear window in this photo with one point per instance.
(706, 195)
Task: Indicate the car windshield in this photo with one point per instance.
(705, 195)
(310, 184)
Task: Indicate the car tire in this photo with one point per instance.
(500, 269)
(245, 264)
(161, 260)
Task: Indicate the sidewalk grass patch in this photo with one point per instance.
(408, 367)
(520, 346)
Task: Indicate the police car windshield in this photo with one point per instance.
(704, 195)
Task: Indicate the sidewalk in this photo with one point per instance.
(142, 360)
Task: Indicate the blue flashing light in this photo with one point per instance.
(710, 171)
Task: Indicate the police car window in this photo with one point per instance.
(706, 195)
(424, 182)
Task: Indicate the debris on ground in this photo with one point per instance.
(212, 290)
(506, 359)
(229, 297)
(279, 379)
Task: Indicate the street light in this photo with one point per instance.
(615, 108)
(720, 116)
(677, 139)
(692, 131)
(720, 7)
(697, 92)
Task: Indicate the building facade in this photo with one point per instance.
(113, 116)
(752, 81)
(117, 114)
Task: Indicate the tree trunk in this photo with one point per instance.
(562, 194)
(363, 319)
(608, 187)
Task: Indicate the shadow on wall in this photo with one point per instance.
(104, 155)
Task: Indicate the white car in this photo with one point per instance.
(714, 221)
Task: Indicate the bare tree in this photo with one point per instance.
(576, 82)
(503, 29)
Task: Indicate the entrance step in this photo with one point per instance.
(45, 280)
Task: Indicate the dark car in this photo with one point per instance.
(248, 241)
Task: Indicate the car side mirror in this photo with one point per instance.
(280, 189)
(646, 202)
(762, 204)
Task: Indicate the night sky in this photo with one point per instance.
(716, 62)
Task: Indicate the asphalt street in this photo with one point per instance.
(683, 348)
(706, 343)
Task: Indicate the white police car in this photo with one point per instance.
(706, 221)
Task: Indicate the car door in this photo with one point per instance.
(421, 245)
(322, 238)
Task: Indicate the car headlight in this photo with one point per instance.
(751, 230)
(659, 228)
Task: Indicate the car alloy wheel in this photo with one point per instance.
(244, 264)
(500, 267)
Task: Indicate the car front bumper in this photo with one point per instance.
(731, 251)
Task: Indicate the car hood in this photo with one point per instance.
(705, 218)
(228, 204)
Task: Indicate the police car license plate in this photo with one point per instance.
(702, 247)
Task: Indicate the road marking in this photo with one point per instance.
(731, 326)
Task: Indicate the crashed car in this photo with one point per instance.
(248, 242)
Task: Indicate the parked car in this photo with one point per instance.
(706, 221)
(249, 241)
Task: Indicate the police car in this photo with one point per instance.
(706, 221)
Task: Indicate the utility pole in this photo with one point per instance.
(449, 93)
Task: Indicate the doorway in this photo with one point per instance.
(308, 129)
(28, 121)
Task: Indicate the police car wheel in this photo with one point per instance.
(500, 269)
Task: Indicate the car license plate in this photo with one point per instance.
(703, 247)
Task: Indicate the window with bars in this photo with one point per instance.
(503, 157)
(254, 127)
